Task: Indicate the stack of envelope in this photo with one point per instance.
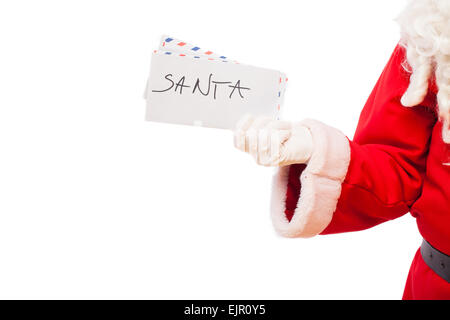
(195, 86)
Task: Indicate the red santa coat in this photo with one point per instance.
(394, 165)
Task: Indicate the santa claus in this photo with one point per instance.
(398, 161)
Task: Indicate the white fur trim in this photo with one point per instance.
(321, 184)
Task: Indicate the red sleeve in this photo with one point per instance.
(388, 154)
(354, 185)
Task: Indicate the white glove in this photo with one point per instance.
(273, 143)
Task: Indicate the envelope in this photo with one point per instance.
(195, 86)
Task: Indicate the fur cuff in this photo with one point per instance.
(320, 184)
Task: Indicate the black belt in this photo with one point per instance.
(437, 261)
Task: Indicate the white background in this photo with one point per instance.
(97, 203)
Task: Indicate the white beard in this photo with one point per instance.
(443, 6)
(425, 26)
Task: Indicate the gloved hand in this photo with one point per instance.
(273, 143)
